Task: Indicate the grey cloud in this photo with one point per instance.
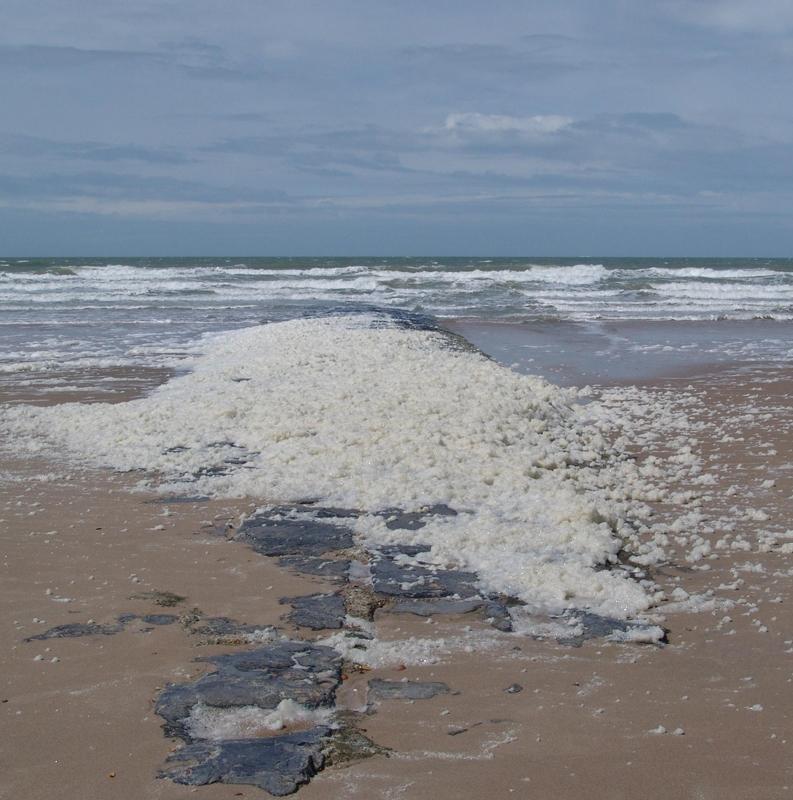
(483, 59)
(274, 141)
(45, 58)
(631, 153)
(36, 147)
(347, 163)
(134, 187)
(192, 59)
(636, 121)
(244, 116)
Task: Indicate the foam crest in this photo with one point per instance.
(724, 291)
(709, 273)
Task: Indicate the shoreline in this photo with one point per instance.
(581, 714)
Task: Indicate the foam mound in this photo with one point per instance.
(374, 411)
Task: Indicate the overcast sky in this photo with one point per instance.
(623, 127)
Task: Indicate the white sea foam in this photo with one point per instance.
(575, 275)
(650, 634)
(334, 410)
(707, 273)
(245, 722)
(415, 650)
(724, 291)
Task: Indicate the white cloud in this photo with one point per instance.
(473, 122)
(737, 16)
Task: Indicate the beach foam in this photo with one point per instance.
(357, 411)
(244, 722)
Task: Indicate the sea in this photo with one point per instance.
(570, 319)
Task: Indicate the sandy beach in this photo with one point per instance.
(703, 716)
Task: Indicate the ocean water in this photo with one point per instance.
(74, 313)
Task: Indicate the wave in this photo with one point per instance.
(736, 291)
(710, 273)
(572, 275)
(205, 295)
(36, 273)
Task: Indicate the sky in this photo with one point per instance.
(443, 127)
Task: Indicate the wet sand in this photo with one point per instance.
(609, 351)
(83, 385)
(77, 545)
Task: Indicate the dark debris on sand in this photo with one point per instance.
(317, 611)
(164, 599)
(308, 674)
(287, 670)
(279, 765)
(74, 630)
(405, 690)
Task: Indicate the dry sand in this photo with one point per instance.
(78, 723)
